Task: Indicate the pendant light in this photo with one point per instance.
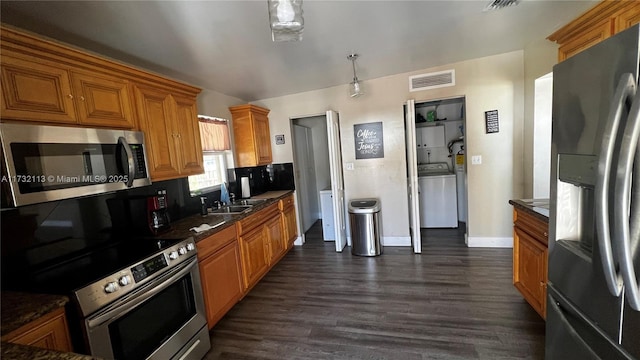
(355, 88)
(285, 18)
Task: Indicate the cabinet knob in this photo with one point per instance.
(546, 234)
(70, 96)
(81, 98)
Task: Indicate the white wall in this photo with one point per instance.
(542, 136)
(539, 58)
(490, 83)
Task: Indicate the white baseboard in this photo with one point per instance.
(396, 241)
(299, 241)
(490, 242)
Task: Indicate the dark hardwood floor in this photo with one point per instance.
(450, 302)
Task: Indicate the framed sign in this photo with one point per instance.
(279, 139)
(368, 140)
(491, 120)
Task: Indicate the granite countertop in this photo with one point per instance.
(536, 207)
(181, 229)
(11, 351)
(18, 308)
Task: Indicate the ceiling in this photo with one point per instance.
(226, 46)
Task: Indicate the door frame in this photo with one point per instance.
(412, 177)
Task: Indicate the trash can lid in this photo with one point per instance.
(364, 206)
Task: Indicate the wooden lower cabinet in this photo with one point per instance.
(255, 256)
(261, 242)
(530, 254)
(289, 223)
(275, 239)
(220, 273)
(48, 332)
(234, 259)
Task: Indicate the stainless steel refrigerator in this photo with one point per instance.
(593, 303)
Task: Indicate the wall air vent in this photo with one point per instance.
(432, 80)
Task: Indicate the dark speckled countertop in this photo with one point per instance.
(181, 229)
(19, 308)
(22, 352)
(537, 207)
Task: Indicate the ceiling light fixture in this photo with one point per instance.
(500, 4)
(355, 89)
(285, 18)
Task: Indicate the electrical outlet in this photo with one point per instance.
(476, 160)
(348, 166)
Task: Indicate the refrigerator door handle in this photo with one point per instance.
(627, 205)
(626, 89)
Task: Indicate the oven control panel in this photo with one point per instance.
(98, 294)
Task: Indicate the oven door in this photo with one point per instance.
(163, 320)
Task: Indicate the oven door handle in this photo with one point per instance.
(121, 308)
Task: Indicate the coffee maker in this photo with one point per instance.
(158, 213)
(140, 215)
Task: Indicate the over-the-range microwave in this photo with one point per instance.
(45, 163)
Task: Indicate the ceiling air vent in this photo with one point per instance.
(432, 80)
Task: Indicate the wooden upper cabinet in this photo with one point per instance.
(600, 22)
(155, 113)
(172, 134)
(36, 92)
(103, 101)
(251, 134)
(188, 140)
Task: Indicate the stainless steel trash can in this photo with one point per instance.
(364, 218)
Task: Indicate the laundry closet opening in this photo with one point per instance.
(441, 164)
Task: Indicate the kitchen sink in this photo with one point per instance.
(232, 209)
(250, 202)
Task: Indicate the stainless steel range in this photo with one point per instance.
(136, 299)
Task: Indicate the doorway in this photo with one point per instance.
(311, 158)
(317, 167)
(435, 138)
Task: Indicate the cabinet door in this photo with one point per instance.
(255, 261)
(275, 238)
(262, 138)
(48, 332)
(629, 17)
(221, 279)
(103, 101)
(188, 140)
(595, 35)
(155, 114)
(290, 225)
(36, 92)
(530, 269)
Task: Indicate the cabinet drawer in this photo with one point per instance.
(286, 203)
(216, 241)
(533, 226)
(256, 219)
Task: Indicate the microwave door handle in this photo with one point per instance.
(627, 209)
(624, 90)
(130, 163)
